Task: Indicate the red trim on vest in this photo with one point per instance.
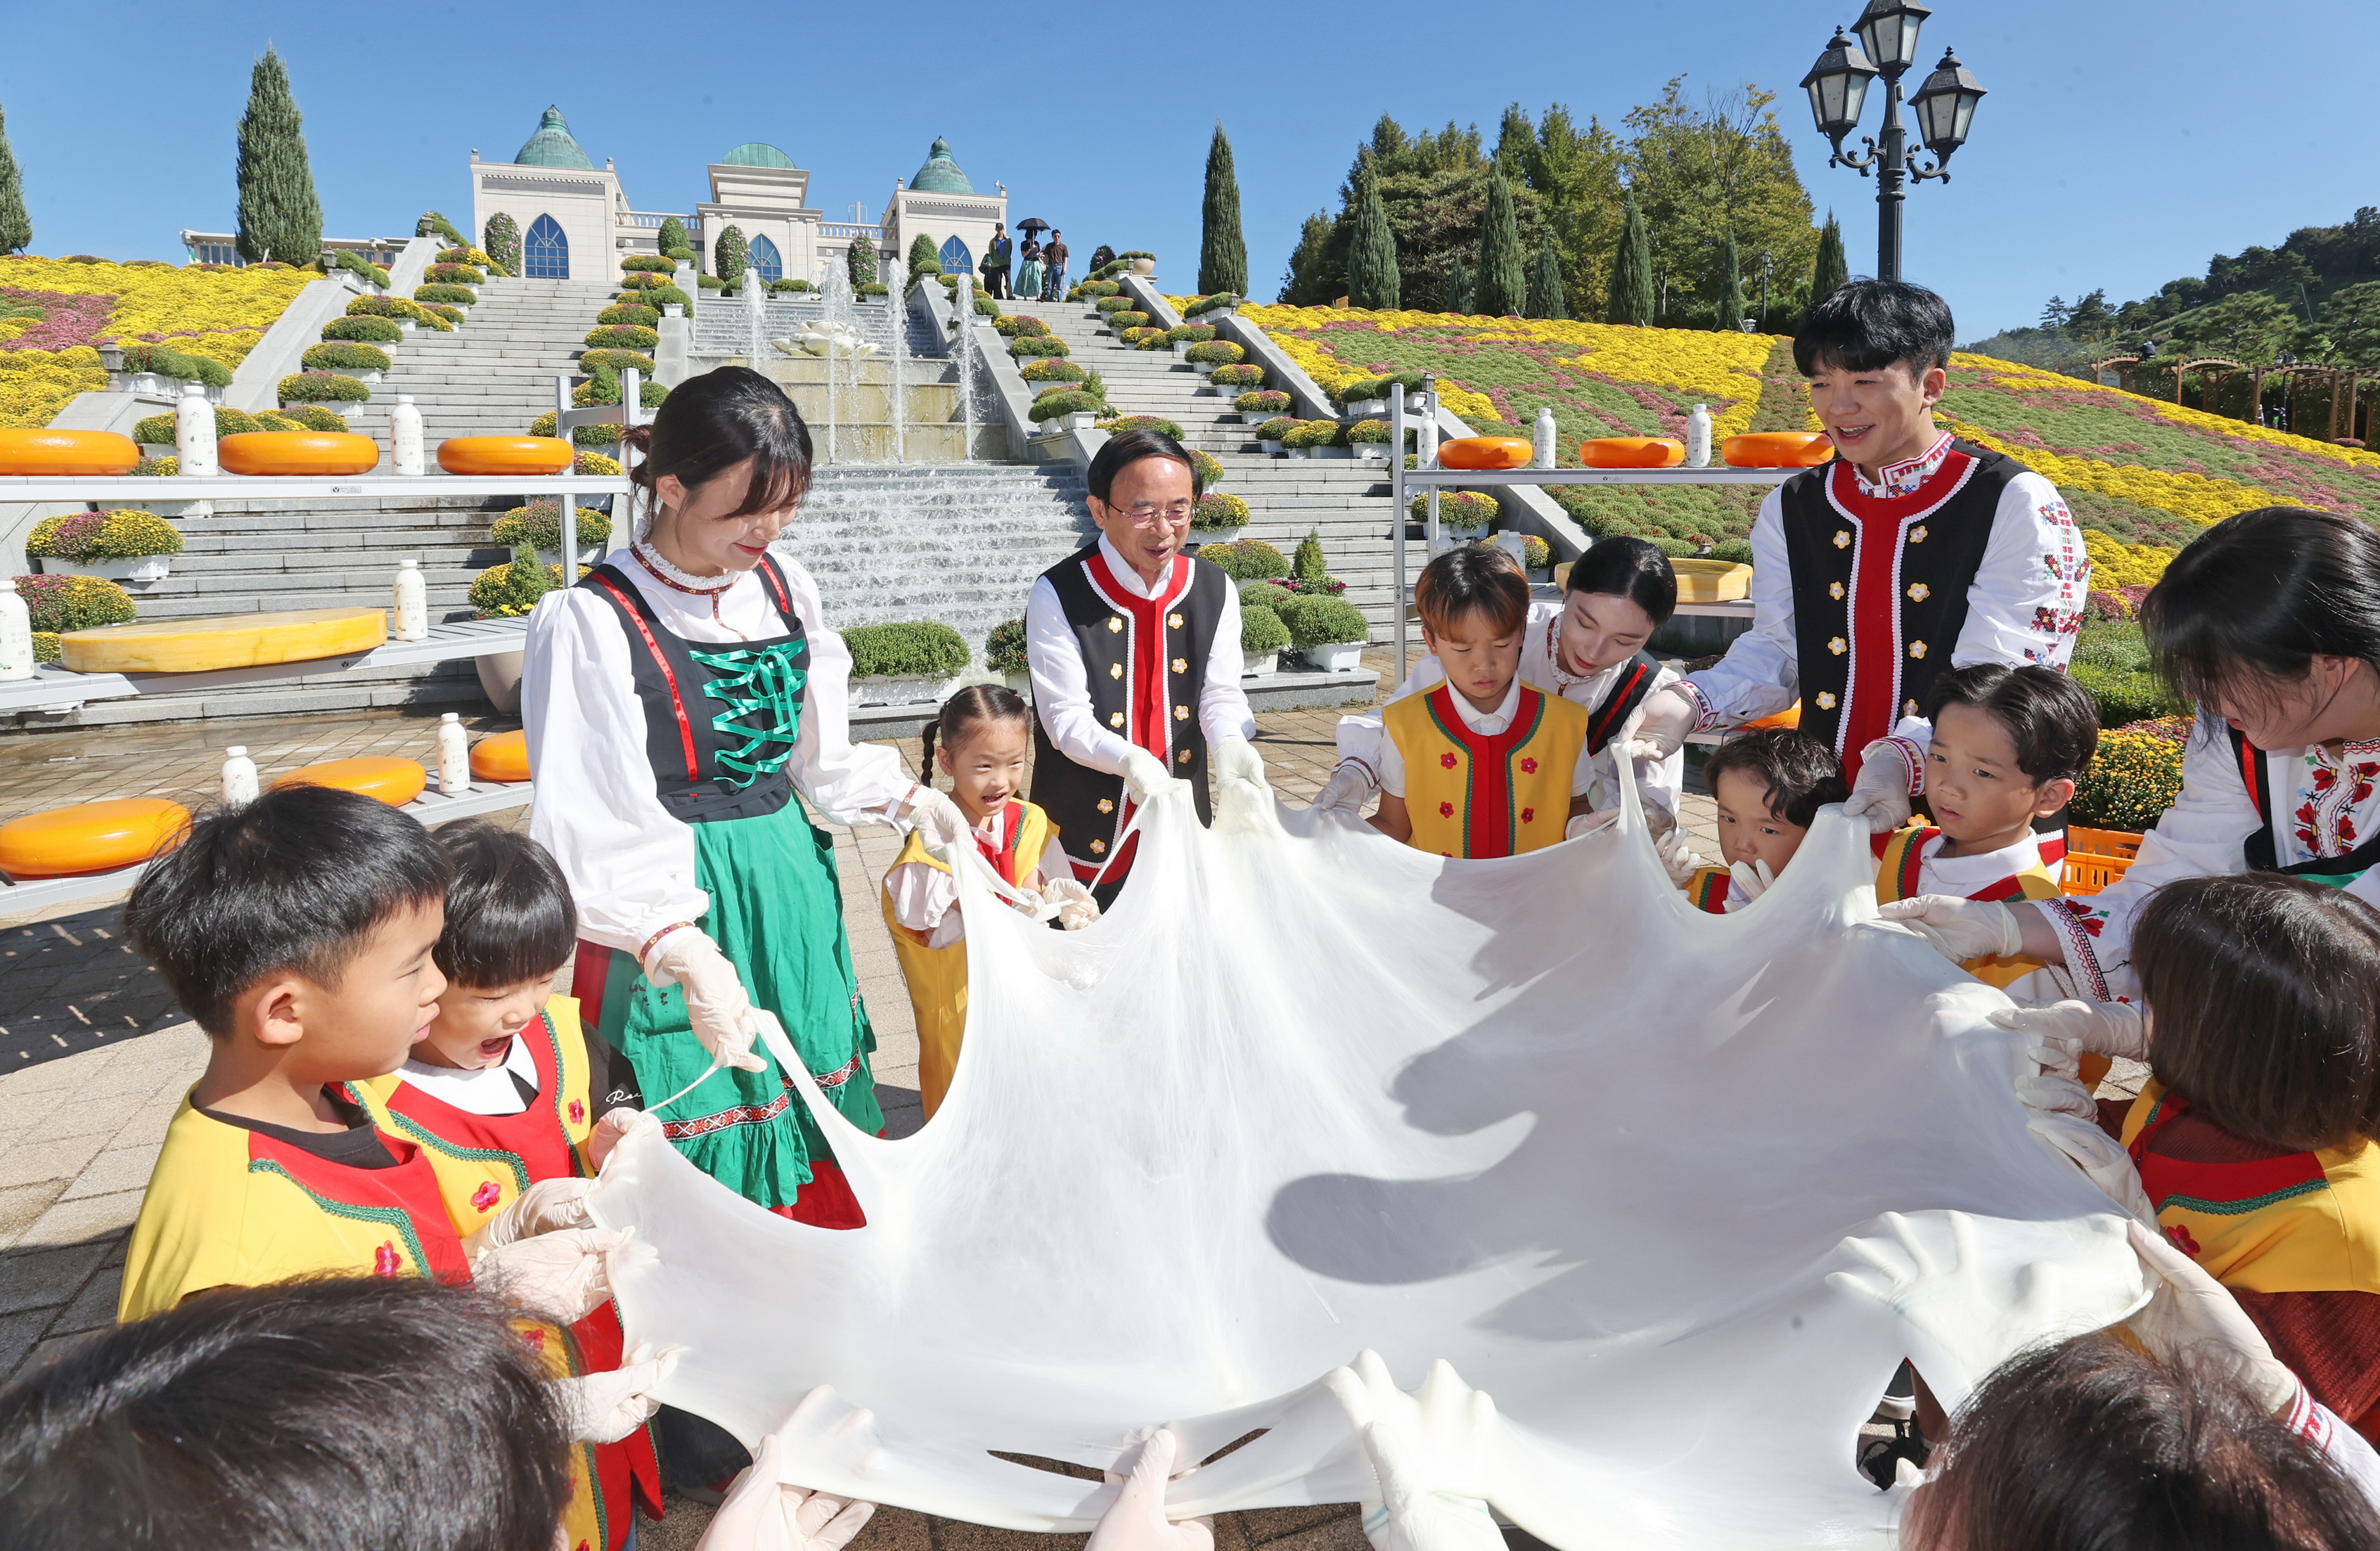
(1001, 853)
(1710, 894)
(2163, 1177)
(410, 1187)
(1913, 861)
(535, 1135)
(1601, 724)
(1488, 797)
(1145, 715)
(677, 701)
(1871, 695)
(2010, 888)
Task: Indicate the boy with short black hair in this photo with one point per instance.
(1768, 787)
(1483, 765)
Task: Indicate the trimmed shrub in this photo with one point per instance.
(678, 255)
(1247, 560)
(1535, 554)
(1238, 377)
(614, 360)
(1209, 468)
(984, 305)
(308, 416)
(1189, 333)
(1222, 351)
(1051, 368)
(1465, 509)
(384, 307)
(356, 264)
(322, 387)
(434, 225)
(1368, 433)
(374, 331)
(582, 436)
(604, 388)
(538, 524)
(662, 295)
(1129, 318)
(1111, 302)
(924, 257)
(501, 237)
(623, 336)
(165, 361)
(710, 283)
(1003, 650)
(1020, 325)
(1142, 422)
(1314, 434)
(1263, 595)
(1048, 406)
(789, 284)
(1315, 620)
(1260, 629)
(1309, 566)
(58, 604)
(729, 255)
(1039, 344)
(649, 264)
(1356, 390)
(81, 538)
(444, 315)
(1266, 402)
(1216, 509)
(341, 354)
(595, 463)
(1739, 550)
(639, 317)
(157, 430)
(917, 647)
(45, 642)
(1278, 427)
(512, 589)
(1143, 339)
(452, 295)
(2135, 777)
(159, 469)
(455, 274)
(1209, 304)
(463, 256)
(639, 281)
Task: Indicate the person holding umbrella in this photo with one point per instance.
(1029, 275)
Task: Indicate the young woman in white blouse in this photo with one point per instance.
(684, 702)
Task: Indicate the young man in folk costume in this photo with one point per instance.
(1134, 649)
(1910, 552)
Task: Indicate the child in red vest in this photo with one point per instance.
(1484, 765)
(1768, 787)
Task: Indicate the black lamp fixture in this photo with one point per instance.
(1883, 41)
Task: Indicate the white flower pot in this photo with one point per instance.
(1461, 535)
(1415, 403)
(899, 689)
(1370, 452)
(1334, 451)
(1180, 349)
(404, 325)
(1020, 682)
(1338, 657)
(1365, 408)
(1259, 665)
(140, 568)
(1143, 266)
(1297, 451)
(1202, 368)
(500, 679)
(1081, 419)
(1272, 447)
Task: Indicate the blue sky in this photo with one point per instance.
(2124, 141)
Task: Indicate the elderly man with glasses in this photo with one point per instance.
(1134, 648)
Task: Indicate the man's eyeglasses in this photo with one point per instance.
(1144, 514)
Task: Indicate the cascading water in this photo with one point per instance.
(842, 360)
(756, 318)
(896, 315)
(963, 350)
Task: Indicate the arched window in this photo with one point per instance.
(956, 259)
(762, 256)
(545, 252)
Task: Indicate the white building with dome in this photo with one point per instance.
(576, 220)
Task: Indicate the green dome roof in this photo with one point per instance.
(756, 154)
(552, 145)
(940, 174)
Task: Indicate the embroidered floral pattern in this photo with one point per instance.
(1448, 760)
(578, 1112)
(484, 1199)
(1918, 592)
(1528, 767)
(1917, 649)
(2337, 787)
(1917, 534)
(1835, 591)
(386, 1260)
(1843, 538)
(2180, 1236)
(1446, 810)
(1903, 478)
(1826, 699)
(1839, 646)
(1528, 815)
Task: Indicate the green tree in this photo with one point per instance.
(2351, 322)
(1435, 189)
(1546, 298)
(924, 257)
(1729, 287)
(1575, 173)
(1516, 141)
(1461, 289)
(1829, 269)
(2250, 328)
(279, 216)
(1701, 172)
(1222, 251)
(728, 254)
(1310, 565)
(1503, 271)
(16, 226)
(1303, 284)
(1373, 278)
(1632, 273)
(671, 236)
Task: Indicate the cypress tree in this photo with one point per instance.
(924, 257)
(1832, 268)
(1459, 287)
(1729, 286)
(728, 255)
(16, 226)
(1546, 297)
(1373, 279)
(279, 216)
(1503, 269)
(671, 236)
(1632, 273)
(1222, 251)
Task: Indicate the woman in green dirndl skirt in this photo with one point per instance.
(686, 711)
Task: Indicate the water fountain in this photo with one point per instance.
(896, 317)
(962, 349)
(755, 317)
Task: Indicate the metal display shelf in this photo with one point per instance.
(53, 689)
(432, 807)
(299, 487)
(1712, 475)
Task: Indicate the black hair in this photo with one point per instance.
(1129, 447)
(297, 880)
(2265, 991)
(975, 703)
(2254, 599)
(1801, 772)
(316, 1415)
(1626, 567)
(2088, 1445)
(1865, 325)
(1473, 578)
(2050, 718)
(712, 422)
(509, 915)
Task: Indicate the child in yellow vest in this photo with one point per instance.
(1767, 786)
(2260, 1020)
(1484, 765)
(985, 735)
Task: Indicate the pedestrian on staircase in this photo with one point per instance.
(995, 262)
(1053, 266)
(1029, 279)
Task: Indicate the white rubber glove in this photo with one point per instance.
(1881, 796)
(1429, 1456)
(1660, 726)
(761, 1513)
(561, 1276)
(1136, 1521)
(1590, 823)
(1235, 758)
(715, 1003)
(616, 1127)
(2189, 1311)
(1145, 775)
(1075, 907)
(2100, 1157)
(1960, 929)
(939, 819)
(2104, 1028)
(544, 1207)
(1753, 878)
(1348, 789)
(1677, 858)
(605, 1408)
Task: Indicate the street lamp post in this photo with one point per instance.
(1884, 42)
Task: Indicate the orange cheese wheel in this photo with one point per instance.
(502, 757)
(1486, 451)
(505, 455)
(89, 837)
(394, 782)
(1777, 449)
(1633, 452)
(66, 452)
(1790, 717)
(298, 452)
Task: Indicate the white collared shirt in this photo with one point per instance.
(1962, 877)
(485, 1090)
(1487, 724)
(925, 898)
(1061, 694)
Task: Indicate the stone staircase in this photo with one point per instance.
(1344, 500)
(493, 375)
